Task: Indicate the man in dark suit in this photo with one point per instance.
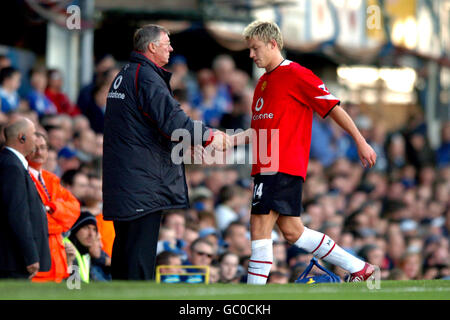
(24, 248)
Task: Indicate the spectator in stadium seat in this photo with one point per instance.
(201, 198)
(229, 263)
(376, 256)
(278, 277)
(229, 204)
(240, 115)
(215, 180)
(67, 160)
(395, 245)
(378, 136)
(24, 248)
(92, 262)
(185, 104)
(206, 219)
(37, 99)
(85, 145)
(93, 202)
(213, 236)
(237, 240)
(94, 109)
(9, 84)
(410, 264)
(397, 274)
(4, 61)
(103, 65)
(169, 258)
(224, 68)
(57, 96)
(51, 164)
(323, 141)
(80, 123)
(77, 182)
(437, 260)
(182, 79)
(396, 152)
(191, 233)
(279, 252)
(95, 112)
(214, 272)
(63, 209)
(57, 137)
(201, 254)
(297, 255)
(175, 220)
(167, 240)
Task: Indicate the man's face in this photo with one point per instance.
(57, 138)
(87, 141)
(39, 81)
(40, 155)
(239, 237)
(163, 50)
(30, 139)
(173, 261)
(177, 223)
(260, 52)
(202, 254)
(87, 235)
(95, 185)
(80, 186)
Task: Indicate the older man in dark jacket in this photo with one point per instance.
(140, 180)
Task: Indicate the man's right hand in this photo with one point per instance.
(33, 269)
(221, 141)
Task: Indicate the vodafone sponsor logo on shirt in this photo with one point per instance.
(258, 106)
(116, 94)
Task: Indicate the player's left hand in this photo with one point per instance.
(367, 155)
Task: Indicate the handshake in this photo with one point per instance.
(222, 141)
(214, 153)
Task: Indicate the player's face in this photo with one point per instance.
(260, 52)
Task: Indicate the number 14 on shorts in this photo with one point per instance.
(257, 192)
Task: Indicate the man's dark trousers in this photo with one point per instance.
(134, 249)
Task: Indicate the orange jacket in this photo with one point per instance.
(107, 232)
(66, 210)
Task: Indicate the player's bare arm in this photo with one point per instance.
(366, 154)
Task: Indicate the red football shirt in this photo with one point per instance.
(282, 114)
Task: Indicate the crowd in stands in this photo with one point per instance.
(395, 215)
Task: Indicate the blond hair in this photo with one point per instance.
(265, 31)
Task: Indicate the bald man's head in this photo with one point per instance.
(15, 127)
(20, 135)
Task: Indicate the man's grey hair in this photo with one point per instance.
(147, 34)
